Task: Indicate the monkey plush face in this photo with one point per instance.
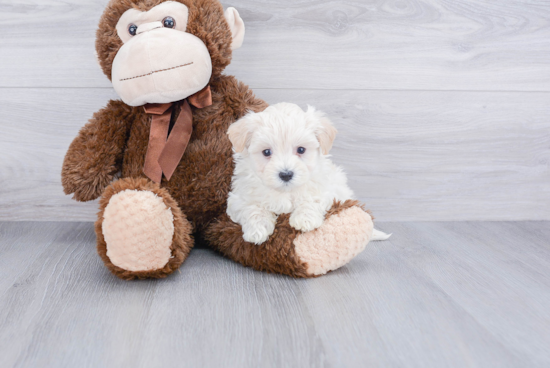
(165, 51)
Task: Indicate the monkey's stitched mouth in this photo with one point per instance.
(149, 30)
(156, 71)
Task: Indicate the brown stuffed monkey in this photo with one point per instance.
(160, 158)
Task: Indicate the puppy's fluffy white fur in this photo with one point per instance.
(271, 146)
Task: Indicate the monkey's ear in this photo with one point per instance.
(240, 132)
(324, 129)
(236, 25)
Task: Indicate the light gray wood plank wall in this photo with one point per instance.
(442, 106)
(343, 44)
(410, 155)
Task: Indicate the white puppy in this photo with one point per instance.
(282, 166)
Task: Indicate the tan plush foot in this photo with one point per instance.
(138, 229)
(341, 237)
(346, 231)
(141, 232)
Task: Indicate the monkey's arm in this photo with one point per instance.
(95, 155)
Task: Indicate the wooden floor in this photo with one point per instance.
(437, 294)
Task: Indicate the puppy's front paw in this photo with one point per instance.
(259, 231)
(306, 220)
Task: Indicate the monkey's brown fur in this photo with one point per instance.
(115, 141)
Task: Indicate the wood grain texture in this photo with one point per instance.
(408, 155)
(434, 295)
(345, 44)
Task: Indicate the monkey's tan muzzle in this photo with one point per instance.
(160, 65)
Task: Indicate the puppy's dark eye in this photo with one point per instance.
(169, 22)
(132, 29)
(266, 152)
(301, 150)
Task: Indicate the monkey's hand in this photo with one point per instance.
(95, 155)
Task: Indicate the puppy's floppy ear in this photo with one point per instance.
(241, 131)
(324, 130)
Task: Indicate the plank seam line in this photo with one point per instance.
(319, 89)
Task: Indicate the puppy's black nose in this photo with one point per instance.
(286, 175)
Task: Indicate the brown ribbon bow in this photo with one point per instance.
(165, 152)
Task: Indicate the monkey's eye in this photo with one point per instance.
(301, 150)
(169, 22)
(132, 29)
(266, 152)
